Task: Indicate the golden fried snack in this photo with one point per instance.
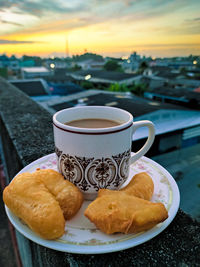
(124, 213)
(67, 194)
(30, 200)
(140, 186)
(127, 210)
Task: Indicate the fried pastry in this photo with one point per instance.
(124, 213)
(67, 194)
(43, 200)
(31, 201)
(140, 186)
(127, 210)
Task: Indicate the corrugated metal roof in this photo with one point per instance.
(168, 121)
(35, 69)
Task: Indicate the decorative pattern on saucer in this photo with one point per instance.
(94, 172)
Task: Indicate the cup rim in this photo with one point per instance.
(113, 129)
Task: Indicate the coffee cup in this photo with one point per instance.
(93, 146)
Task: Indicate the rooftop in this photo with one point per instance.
(136, 105)
(35, 69)
(31, 87)
(165, 72)
(171, 120)
(103, 75)
(180, 93)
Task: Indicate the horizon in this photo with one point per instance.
(109, 28)
(84, 53)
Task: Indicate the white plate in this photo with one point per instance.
(81, 236)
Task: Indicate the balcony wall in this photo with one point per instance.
(26, 135)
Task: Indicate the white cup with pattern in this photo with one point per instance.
(93, 154)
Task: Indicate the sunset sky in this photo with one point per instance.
(106, 27)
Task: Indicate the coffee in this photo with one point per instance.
(93, 123)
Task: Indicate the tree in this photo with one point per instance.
(116, 87)
(87, 85)
(87, 56)
(142, 67)
(138, 89)
(112, 65)
(76, 68)
(4, 72)
(183, 70)
(38, 61)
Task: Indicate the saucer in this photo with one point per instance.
(81, 236)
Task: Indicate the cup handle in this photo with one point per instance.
(149, 141)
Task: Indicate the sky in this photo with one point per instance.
(157, 28)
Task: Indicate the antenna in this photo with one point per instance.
(67, 47)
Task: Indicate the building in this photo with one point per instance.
(153, 81)
(56, 64)
(65, 88)
(35, 72)
(185, 82)
(132, 63)
(90, 64)
(37, 89)
(12, 63)
(179, 95)
(42, 90)
(105, 77)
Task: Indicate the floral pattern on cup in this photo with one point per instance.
(101, 173)
(93, 172)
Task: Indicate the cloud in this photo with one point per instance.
(105, 8)
(54, 16)
(10, 22)
(188, 27)
(169, 47)
(193, 19)
(191, 26)
(39, 8)
(4, 41)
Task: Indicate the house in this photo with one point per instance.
(164, 72)
(37, 89)
(105, 77)
(41, 90)
(173, 63)
(153, 81)
(90, 64)
(56, 64)
(185, 82)
(27, 63)
(132, 63)
(179, 95)
(11, 63)
(4, 61)
(14, 64)
(59, 75)
(35, 72)
(65, 88)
